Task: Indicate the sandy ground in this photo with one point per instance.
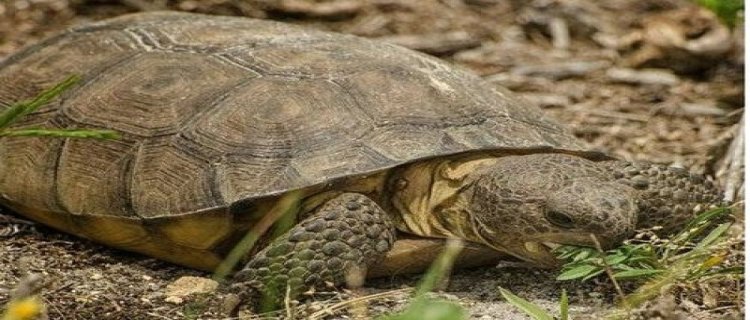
(589, 64)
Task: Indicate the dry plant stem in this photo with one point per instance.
(344, 304)
(607, 268)
(288, 303)
(734, 165)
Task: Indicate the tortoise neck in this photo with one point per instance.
(425, 198)
(668, 196)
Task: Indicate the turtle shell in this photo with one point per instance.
(219, 113)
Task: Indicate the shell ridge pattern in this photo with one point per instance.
(225, 109)
(207, 112)
(70, 113)
(232, 60)
(358, 106)
(130, 180)
(143, 39)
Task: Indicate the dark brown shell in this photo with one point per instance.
(216, 111)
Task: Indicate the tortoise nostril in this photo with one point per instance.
(559, 219)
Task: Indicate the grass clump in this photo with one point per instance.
(648, 255)
(702, 252)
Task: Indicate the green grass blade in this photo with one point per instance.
(527, 307)
(286, 204)
(425, 309)
(12, 114)
(710, 215)
(577, 272)
(564, 305)
(715, 234)
(594, 274)
(17, 110)
(61, 133)
(439, 269)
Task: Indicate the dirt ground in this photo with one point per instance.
(658, 80)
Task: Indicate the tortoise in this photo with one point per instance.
(371, 146)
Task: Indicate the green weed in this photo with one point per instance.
(648, 256)
(698, 253)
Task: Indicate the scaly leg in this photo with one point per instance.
(336, 244)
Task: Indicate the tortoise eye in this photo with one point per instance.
(559, 219)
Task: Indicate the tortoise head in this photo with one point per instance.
(526, 205)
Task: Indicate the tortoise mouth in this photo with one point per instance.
(539, 251)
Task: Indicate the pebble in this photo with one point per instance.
(177, 291)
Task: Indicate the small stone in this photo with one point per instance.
(177, 291)
(96, 276)
(174, 300)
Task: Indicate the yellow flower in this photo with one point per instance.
(23, 309)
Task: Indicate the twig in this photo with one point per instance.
(607, 268)
(340, 305)
(288, 302)
(733, 165)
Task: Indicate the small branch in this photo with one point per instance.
(733, 166)
(607, 268)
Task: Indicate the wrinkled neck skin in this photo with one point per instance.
(525, 204)
(428, 201)
(668, 197)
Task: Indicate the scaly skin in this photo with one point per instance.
(514, 204)
(335, 244)
(521, 201)
(668, 196)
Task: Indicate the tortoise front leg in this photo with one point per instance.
(336, 244)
